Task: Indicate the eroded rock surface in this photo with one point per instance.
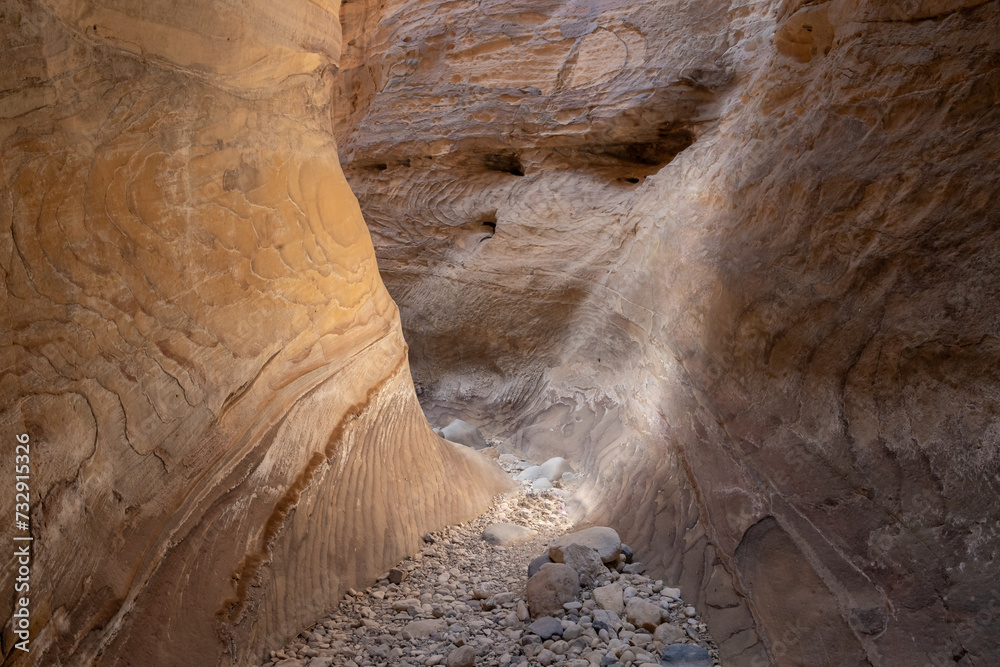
(735, 261)
(224, 433)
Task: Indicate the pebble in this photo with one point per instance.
(462, 601)
(546, 626)
(462, 657)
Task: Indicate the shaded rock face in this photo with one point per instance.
(224, 434)
(735, 261)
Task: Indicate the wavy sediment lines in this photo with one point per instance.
(725, 269)
(197, 340)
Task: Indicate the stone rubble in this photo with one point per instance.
(466, 600)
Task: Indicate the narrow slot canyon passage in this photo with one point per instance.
(328, 327)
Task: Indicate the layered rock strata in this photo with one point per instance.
(737, 261)
(224, 434)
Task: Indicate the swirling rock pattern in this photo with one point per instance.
(737, 261)
(196, 338)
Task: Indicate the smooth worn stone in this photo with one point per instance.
(462, 657)
(546, 657)
(555, 467)
(536, 564)
(674, 593)
(464, 433)
(505, 534)
(423, 628)
(608, 618)
(610, 597)
(587, 563)
(553, 585)
(324, 661)
(559, 647)
(522, 611)
(546, 627)
(634, 568)
(603, 540)
(627, 552)
(404, 605)
(667, 633)
(685, 655)
(530, 474)
(541, 484)
(503, 598)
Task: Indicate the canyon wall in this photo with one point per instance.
(224, 435)
(735, 260)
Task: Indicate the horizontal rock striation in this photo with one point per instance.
(224, 433)
(735, 261)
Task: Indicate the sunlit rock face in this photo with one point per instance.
(738, 261)
(224, 434)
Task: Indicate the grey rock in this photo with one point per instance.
(506, 534)
(634, 568)
(545, 657)
(643, 614)
(541, 484)
(667, 633)
(530, 474)
(627, 552)
(586, 562)
(464, 434)
(610, 597)
(603, 540)
(685, 655)
(608, 618)
(553, 585)
(559, 647)
(324, 661)
(424, 628)
(547, 627)
(462, 657)
(554, 468)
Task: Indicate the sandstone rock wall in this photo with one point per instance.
(736, 260)
(224, 433)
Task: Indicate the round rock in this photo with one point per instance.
(554, 468)
(547, 627)
(552, 586)
(541, 484)
(505, 534)
(530, 474)
(464, 434)
(462, 657)
(603, 540)
(685, 655)
(536, 564)
(586, 562)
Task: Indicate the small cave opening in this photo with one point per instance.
(507, 162)
(653, 153)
